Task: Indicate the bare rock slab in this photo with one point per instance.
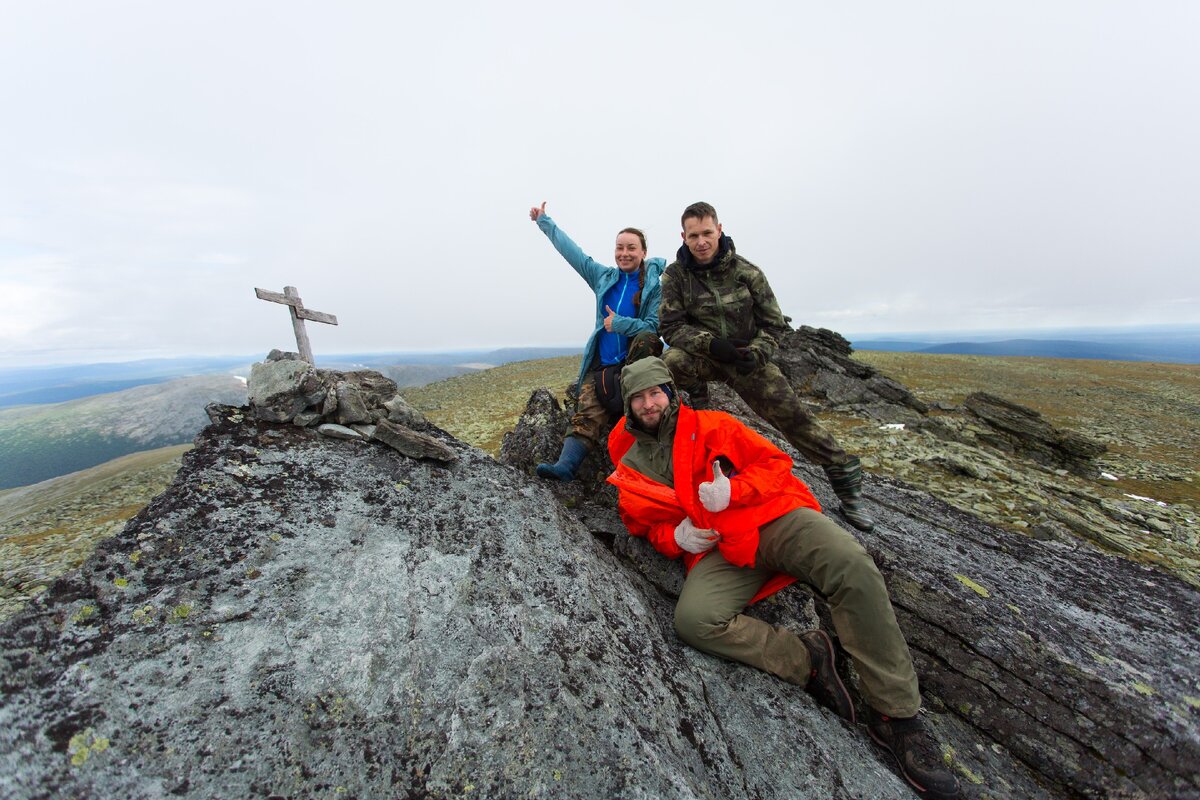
(412, 443)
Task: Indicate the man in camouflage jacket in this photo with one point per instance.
(723, 323)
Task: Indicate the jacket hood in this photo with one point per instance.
(642, 374)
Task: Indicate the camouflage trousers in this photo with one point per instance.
(813, 548)
(769, 394)
(591, 420)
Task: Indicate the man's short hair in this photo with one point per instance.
(698, 211)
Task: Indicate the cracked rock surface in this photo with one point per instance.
(301, 616)
(1050, 668)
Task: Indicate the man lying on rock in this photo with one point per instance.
(701, 485)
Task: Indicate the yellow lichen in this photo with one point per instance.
(84, 744)
(973, 586)
(135, 556)
(1194, 702)
(121, 582)
(973, 777)
(1142, 688)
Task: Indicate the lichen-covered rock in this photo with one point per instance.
(277, 389)
(1022, 430)
(538, 438)
(295, 617)
(299, 617)
(413, 444)
(817, 362)
(351, 407)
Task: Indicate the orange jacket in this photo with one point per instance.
(762, 489)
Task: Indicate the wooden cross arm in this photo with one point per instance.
(294, 302)
(316, 316)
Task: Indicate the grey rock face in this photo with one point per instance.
(338, 431)
(306, 617)
(299, 617)
(988, 456)
(1046, 678)
(1023, 430)
(276, 389)
(817, 362)
(412, 443)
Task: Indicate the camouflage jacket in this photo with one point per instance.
(729, 300)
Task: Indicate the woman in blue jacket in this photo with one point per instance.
(626, 329)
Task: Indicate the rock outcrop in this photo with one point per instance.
(1021, 430)
(1046, 664)
(303, 616)
(988, 456)
(344, 405)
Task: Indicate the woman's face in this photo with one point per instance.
(630, 252)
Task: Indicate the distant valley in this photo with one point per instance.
(38, 442)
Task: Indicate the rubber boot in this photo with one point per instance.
(573, 452)
(846, 480)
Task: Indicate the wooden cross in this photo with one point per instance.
(291, 299)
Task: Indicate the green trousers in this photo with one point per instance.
(810, 546)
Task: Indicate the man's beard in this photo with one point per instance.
(651, 428)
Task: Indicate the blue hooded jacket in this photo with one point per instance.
(602, 279)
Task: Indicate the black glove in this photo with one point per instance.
(745, 362)
(726, 350)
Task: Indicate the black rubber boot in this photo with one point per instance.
(919, 756)
(573, 452)
(824, 684)
(846, 480)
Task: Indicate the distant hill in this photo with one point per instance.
(44, 441)
(1174, 348)
(59, 384)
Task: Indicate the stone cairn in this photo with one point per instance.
(361, 405)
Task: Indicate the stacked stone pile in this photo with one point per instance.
(362, 405)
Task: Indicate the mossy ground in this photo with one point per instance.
(49, 528)
(480, 408)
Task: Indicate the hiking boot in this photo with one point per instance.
(919, 756)
(846, 480)
(698, 397)
(824, 684)
(573, 452)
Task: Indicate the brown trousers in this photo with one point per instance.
(590, 420)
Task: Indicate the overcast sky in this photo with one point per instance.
(890, 166)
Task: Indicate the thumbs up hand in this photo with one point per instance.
(714, 494)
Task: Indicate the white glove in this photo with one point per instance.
(693, 539)
(714, 494)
